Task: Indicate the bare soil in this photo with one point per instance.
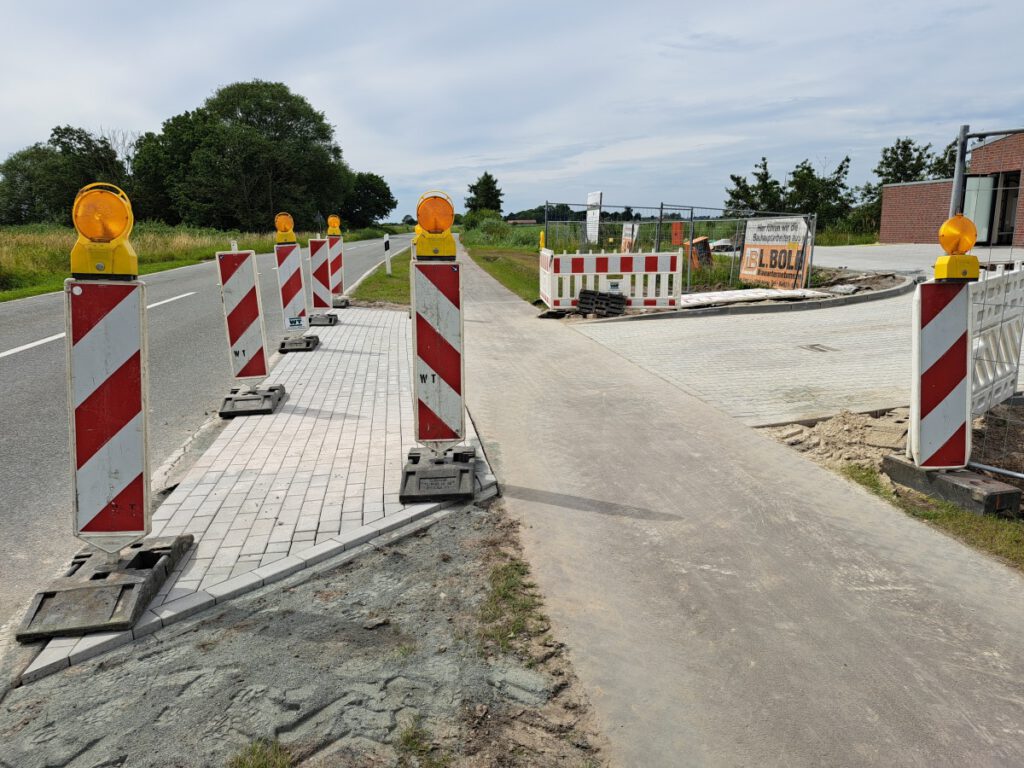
(385, 660)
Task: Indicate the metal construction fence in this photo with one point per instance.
(662, 229)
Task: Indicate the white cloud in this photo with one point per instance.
(649, 101)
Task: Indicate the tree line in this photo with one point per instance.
(829, 194)
(252, 149)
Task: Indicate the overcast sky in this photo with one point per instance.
(646, 101)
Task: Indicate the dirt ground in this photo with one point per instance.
(997, 438)
(428, 651)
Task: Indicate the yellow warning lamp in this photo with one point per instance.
(102, 214)
(333, 225)
(435, 215)
(285, 226)
(957, 236)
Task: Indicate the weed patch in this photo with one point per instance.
(262, 754)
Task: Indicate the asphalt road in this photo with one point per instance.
(188, 376)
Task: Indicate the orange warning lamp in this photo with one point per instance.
(102, 214)
(285, 226)
(435, 215)
(333, 224)
(957, 236)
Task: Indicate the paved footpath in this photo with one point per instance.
(777, 367)
(727, 602)
(274, 494)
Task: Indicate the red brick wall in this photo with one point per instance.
(913, 213)
(1003, 155)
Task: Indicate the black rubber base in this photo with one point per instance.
(298, 344)
(95, 595)
(445, 478)
(323, 320)
(251, 402)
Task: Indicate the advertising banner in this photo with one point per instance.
(775, 252)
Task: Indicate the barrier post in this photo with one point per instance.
(107, 374)
(335, 253)
(320, 277)
(288, 256)
(243, 316)
(941, 380)
(387, 254)
(445, 470)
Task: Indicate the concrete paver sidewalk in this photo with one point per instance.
(276, 493)
(726, 601)
(777, 367)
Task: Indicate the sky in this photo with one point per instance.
(648, 102)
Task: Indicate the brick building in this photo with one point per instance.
(913, 212)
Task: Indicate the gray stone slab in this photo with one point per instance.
(183, 607)
(236, 586)
(280, 569)
(97, 643)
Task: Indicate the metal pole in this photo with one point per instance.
(732, 251)
(689, 254)
(810, 256)
(547, 242)
(956, 202)
(657, 232)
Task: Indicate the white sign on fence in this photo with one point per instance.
(593, 217)
(630, 235)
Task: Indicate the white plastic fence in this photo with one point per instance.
(997, 303)
(646, 279)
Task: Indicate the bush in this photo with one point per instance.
(475, 219)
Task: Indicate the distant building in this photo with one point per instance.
(913, 212)
(516, 222)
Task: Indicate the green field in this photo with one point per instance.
(35, 258)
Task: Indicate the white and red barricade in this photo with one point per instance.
(437, 349)
(336, 256)
(320, 270)
(646, 279)
(289, 278)
(107, 390)
(243, 313)
(940, 406)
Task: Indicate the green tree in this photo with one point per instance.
(943, 164)
(766, 193)
(826, 194)
(39, 183)
(484, 194)
(370, 201)
(905, 160)
(251, 150)
(408, 220)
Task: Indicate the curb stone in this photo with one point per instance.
(908, 285)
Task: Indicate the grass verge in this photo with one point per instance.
(515, 268)
(511, 610)
(998, 536)
(262, 754)
(381, 287)
(35, 258)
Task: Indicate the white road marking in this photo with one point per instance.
(56, 336)
(168, 301)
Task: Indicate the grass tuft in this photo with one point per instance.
(510, 609)
(262, 754)
(416, 742)
(996, 535)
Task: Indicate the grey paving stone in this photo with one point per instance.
(96, 643)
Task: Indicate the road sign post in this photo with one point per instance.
(445, 469)
(243, 315)
(288, 256)
(387, 254)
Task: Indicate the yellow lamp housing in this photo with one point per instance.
(102, 214)
(957, 236)
(333, 225)
(435, 215)
(285, 226)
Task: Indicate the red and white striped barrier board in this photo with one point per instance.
(335, 251)
(437, 345)
(320, 269)
(646, 279)
(239, 289)
(107, 399)
(289, 278)
(940, 405)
